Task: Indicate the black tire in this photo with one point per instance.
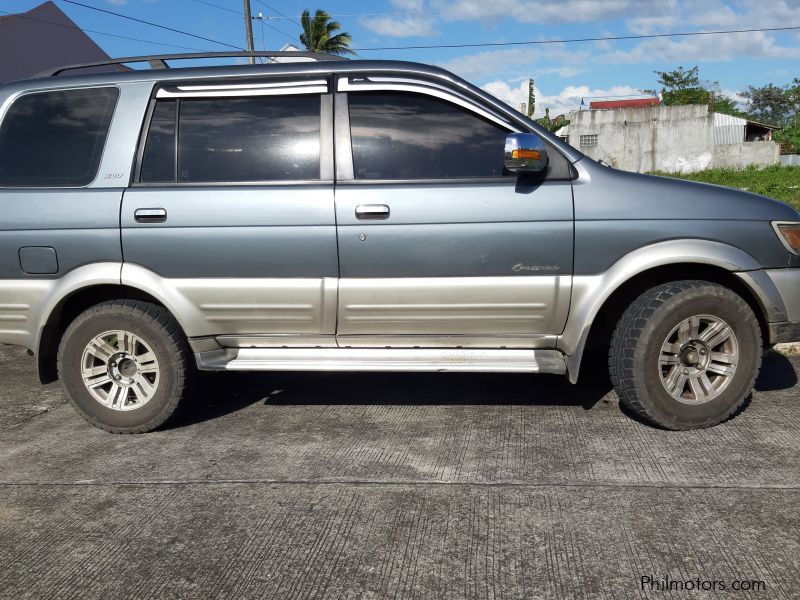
(641, 332)
(152, 324)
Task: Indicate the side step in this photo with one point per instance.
(400, 359)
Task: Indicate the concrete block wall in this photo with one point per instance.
(663, 138)
(739, 156)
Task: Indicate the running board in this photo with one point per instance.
(400, 359)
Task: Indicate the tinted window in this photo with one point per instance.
(249, 139)
(411, 136)
(158, 161)
(55, 138)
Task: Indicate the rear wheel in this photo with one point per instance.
(686, 354)
(124, 365)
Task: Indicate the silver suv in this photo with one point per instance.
(362, 216)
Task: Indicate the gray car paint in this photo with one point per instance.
(619, 219)
(81, 226)
(446, 229)
(617, 212)
(225, 231)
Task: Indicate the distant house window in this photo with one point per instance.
(589, 141)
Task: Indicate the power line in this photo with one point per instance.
(377, 14)
(114, 35)
(574, 40)
(279, 13)
(225, 8)
(241, 14)
(291, 37)
(116, 14)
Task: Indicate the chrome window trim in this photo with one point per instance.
(254, 184)
(384, 84)
(277, 88)
(326, 138)
(453, 181)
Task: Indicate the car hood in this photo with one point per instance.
(637, 196)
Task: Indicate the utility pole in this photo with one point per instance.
(248, 22)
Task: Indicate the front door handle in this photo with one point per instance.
(150, 215)
(372, 211)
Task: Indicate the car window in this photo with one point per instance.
(397, 135)
(53, 139)
(261, 138)
(158, 160)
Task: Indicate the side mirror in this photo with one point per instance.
(525, 153)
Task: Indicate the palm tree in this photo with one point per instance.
(318, 34)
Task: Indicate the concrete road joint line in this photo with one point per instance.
(365, 483)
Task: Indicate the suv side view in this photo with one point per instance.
(359, 216)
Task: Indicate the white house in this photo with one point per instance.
(670, 138)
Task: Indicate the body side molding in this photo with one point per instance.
(28, 303)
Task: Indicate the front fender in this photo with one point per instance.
(590, 292)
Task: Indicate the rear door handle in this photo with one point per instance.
(150, 215)
(372, 211)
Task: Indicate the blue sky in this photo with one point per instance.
(564, 73)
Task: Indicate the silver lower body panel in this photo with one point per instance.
(378, 359)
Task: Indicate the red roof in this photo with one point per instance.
(629, 103)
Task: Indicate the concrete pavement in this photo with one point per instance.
(397, 486)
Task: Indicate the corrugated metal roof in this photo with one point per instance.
(728, 129)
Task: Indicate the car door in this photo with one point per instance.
(231, 217)
(60, 219)
(438, 246)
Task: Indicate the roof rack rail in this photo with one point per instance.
(158, 61)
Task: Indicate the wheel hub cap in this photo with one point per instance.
(120, 370)
(698, 359)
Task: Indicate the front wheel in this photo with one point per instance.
(685, 354)
(124, 365)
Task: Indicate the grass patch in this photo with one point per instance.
(781, 183)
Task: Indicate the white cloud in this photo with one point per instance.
(558, 58)
(723, 16)
(750, 13)
(566, 100)
(648, 25)
(733, 95)
(703, 49)
(118, 2)
(544, 11)
(418, 22)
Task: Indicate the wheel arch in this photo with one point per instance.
(599, 300)
(69, 307)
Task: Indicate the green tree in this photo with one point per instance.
(772, 104)
(552, 125)
(682, 86)
(725, 106)
(531, 99)
(319, 34)
(789, 136)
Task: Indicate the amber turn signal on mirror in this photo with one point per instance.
(789, 233)
(525, 153)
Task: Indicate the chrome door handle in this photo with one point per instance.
(372, 211)
(150, 215)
